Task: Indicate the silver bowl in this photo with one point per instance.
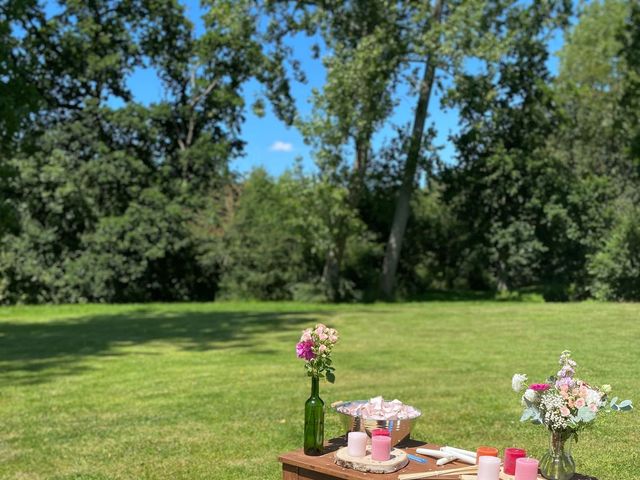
(399, 429)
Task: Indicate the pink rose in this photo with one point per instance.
(322, 348)
(564, 411)
(580, 403)
(306, 335)
(323, 336)
(305, 350)
(593, 407)
(540, 387)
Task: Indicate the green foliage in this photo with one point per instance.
(615, 268)
(146, 253)
(103, 203)
(505, 180)
(267, 248)
(103, 199)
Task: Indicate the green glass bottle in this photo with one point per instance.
(314, 420)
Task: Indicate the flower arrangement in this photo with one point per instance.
(565, 403)
(315, 348)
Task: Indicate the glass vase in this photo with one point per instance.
(314, 420)
(557, 463)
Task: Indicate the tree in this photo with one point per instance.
(266, 247)
(454, 31)
(616, 267)
(592, 140)
(505, 184)
(86, 173)
(364, 46)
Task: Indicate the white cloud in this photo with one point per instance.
(279, 146)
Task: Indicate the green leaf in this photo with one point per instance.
(331, 378)
(625, 405)
(530, 413)
(585, 414)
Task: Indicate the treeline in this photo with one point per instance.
(104, 199)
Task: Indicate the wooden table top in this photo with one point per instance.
(325, 463)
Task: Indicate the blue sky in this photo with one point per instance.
(272, 145)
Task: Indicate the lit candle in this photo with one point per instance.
(488, 468)
(510, 457)
(357, 444)
(486, 452)
(526, 468)
(380, 448)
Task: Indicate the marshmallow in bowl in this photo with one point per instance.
(379, 409)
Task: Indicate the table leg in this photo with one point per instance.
(289, 472)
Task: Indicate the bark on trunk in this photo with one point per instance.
(401, 214)
(331, 271)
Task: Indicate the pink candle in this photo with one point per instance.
(526, 468)
(488, 468)
(380, 448)
(357, 444)
(510, 457)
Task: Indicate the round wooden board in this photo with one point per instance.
(365, 464)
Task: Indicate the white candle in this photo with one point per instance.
(432, 453)
(357, 444)
(488, 468)
(460, 451)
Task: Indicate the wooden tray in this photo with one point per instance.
(397, 461)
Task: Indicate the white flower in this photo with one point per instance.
(606, 388)
(593, 396)
(530, 395)
(518, 381)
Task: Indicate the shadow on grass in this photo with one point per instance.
(524, 295)
(35, 352)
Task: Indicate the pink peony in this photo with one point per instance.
(564, 411)
(305, 350)
(580, 403)
(540, 387)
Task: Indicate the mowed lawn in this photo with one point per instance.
(214, 391)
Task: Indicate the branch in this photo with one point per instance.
(204, 94)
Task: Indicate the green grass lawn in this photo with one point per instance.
(214, 391)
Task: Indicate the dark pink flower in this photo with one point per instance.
(305, 350)
(540, 387)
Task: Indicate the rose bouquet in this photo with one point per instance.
(565, 403)
(315, 348)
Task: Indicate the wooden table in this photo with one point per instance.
(298, 466)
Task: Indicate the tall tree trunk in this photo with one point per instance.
(331, 271)
(401, 214)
